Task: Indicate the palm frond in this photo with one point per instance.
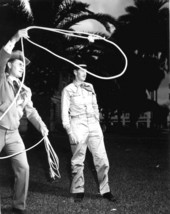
(68, 8)
(26, 7)
(13, 17)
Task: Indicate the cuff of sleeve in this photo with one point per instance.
(68, 130)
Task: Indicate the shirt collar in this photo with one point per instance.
(77, 84)
(12, 78)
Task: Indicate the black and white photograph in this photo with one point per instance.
(84, 107)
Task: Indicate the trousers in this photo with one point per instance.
(12, 142)
(89, 135)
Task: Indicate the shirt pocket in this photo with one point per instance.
(76, 98)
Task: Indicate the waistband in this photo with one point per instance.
(6, 129)
(83, 116)
(3, 128)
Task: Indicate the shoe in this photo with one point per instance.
(78, 197)
(109, 196)
(18, 211)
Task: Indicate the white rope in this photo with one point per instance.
(25, 150)
(51, 155)
(91, 38)
(52, 159)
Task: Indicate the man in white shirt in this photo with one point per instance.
(80, 118)
(11, 69)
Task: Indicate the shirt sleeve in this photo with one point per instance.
(4, 57)
(65, 106)
(32, 114)
(5, 53)
(9, 47)
(94, 104)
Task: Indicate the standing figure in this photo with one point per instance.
(80, 118)
(11, 70)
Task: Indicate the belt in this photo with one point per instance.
(83, 116)
(3, 128)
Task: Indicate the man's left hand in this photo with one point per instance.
(44, 131)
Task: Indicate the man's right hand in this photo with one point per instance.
(73, 139)
(21, 33)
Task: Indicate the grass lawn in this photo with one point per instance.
(139, 177)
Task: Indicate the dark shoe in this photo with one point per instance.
(109, 196)
(18, 211)
(78, 197)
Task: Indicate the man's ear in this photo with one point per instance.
(75, 72)
(9, 65)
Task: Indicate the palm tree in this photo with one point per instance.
(146, 26)
(143, 33)
(12, 18)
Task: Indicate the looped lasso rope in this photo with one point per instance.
(89, 36)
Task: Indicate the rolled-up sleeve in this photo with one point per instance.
(65, 106)
(5, 54)
(9, 47)
(4, 57)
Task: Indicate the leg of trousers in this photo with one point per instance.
(12, 142)
(89, 134)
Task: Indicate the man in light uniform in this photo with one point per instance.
(80, 118)
(11, 69)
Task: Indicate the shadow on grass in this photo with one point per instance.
(48, 188)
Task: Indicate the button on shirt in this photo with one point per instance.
(78, 100)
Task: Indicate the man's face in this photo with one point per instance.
(16, 68)
(80, 75)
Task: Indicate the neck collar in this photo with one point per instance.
(77, 84)
(12, 78)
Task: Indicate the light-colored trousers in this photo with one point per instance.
(89, 134)
(12, 143)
